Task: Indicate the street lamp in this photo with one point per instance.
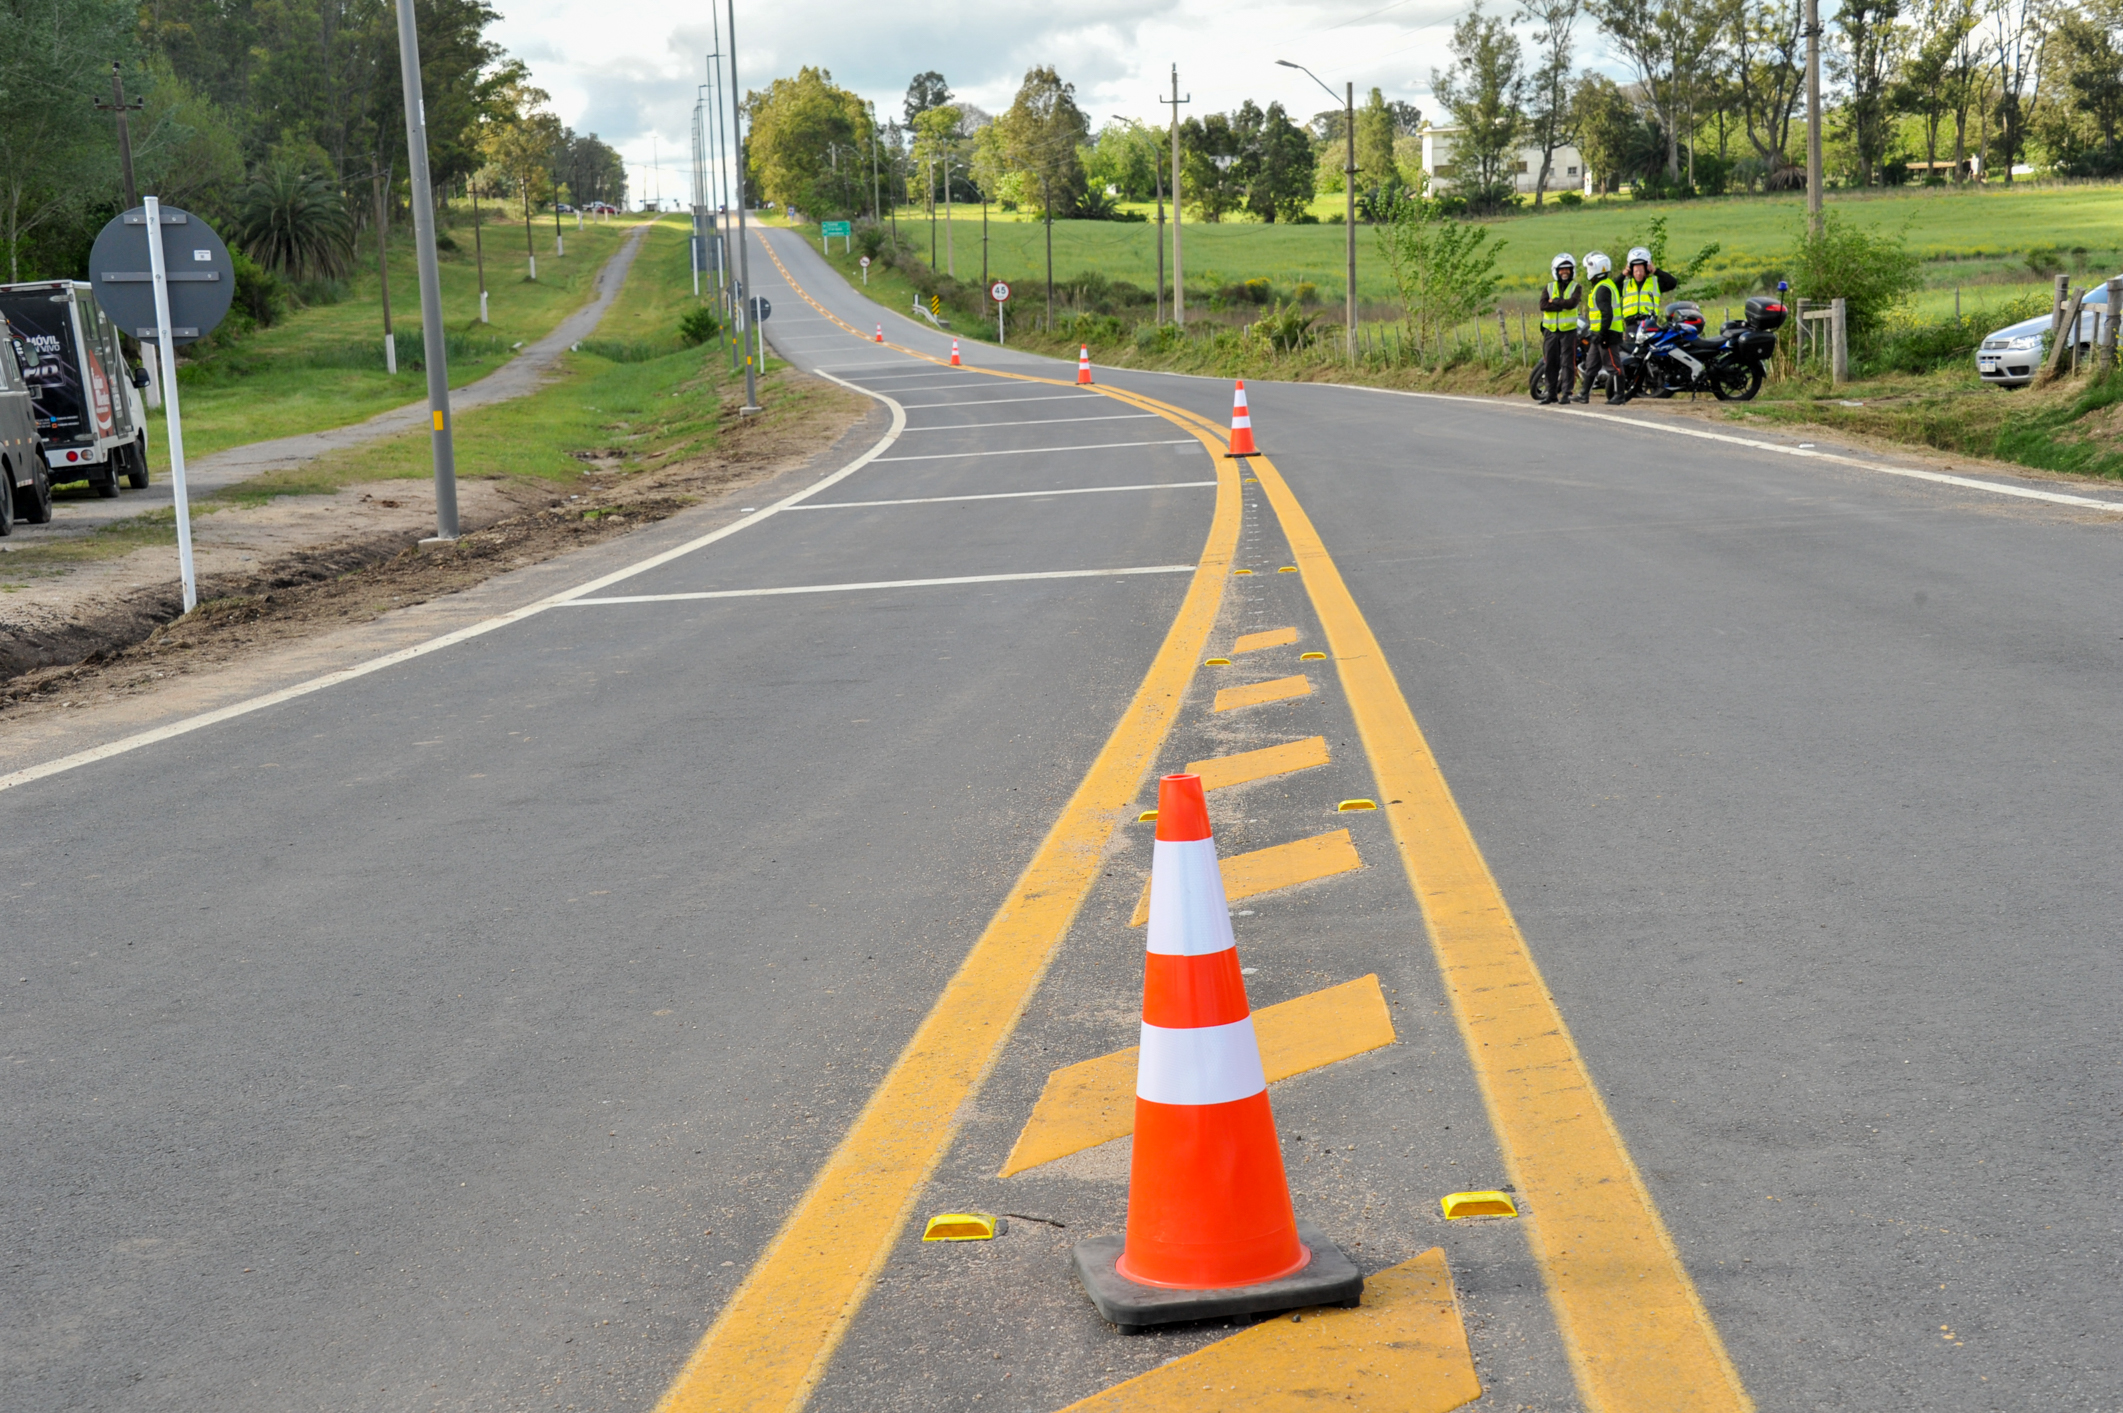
(1348, 187)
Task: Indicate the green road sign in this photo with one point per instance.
(833, 228)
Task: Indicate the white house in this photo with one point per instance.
(1567, 170)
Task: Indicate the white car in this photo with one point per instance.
(2010, 356)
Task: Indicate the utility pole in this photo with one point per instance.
(876, 189)
(432, 331)
(118, 108)
(380, 183)
(1814, 213)
(1179, 265)
(1046, 204)
(1348, 188)
(744, 254)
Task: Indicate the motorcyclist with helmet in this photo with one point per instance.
(1603, 317)
(1560, 312)
(1643, 284)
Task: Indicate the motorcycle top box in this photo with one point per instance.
(1765, 313)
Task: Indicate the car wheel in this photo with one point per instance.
(136, 473)
(33, 502)
(7, 500)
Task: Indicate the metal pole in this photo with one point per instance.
(744, 253)
(1047, 208)
(1814, 213)
(173, 423)
(1349, 193)
(1179, 264)
(432, 332)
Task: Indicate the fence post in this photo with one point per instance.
(2056, 307)
(2064, 347)
(1839, 343)
(2108, 325)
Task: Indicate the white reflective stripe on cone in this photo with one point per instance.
(1188, 914)
(1207, 1064)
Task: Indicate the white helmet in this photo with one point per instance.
(1637, 253)
(1555, 266)
(1597, 263)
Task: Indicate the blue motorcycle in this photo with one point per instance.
(1677, 355)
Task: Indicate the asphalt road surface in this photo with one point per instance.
(461, 1036)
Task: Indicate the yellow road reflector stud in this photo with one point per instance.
(1404, 1350)
(1477, 1204)
(1146, 817)
(1093, 1101)
(962, 1226)
(1277, 866)
(1254, 694)
(1311, 657)
(1241, 571)
(1266, 638)
(1287, 569)
(1217, 662)
(1220, 771)
(1347, 805)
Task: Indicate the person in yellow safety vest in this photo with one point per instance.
(1642, 284)
(1560, 312)
(1603, 317)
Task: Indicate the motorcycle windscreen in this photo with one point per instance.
(47, 325)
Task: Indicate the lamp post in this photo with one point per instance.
(1348, 188)
(744, 254)
(441, 437)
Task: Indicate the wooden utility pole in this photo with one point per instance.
(1179, 264)
(1815, 214)
(118, 108)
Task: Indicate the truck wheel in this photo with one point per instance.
(33, 502)
(103, 480)
(136, 473)
(7, 500)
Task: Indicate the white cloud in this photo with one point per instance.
(627, 69)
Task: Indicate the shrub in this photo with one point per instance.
(261, 298)
(1571, 198)
(1874, 273)
(869, 239)
(1306, 293)
(1158, 338)
(698, 326)
(1923, 346)
(1288, 329)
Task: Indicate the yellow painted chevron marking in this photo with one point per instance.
(1277, 866)
(1255, 693)
(1219, 771)
(1269, 638)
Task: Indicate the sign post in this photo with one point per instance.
(170, 307)
(1000, 293)
(865, 263)
(829, 229)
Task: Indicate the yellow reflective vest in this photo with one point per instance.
(1592, 306)
(1640, 299)
(1555, 320)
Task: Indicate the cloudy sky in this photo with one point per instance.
(627, 69)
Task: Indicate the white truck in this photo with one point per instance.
(88, 401)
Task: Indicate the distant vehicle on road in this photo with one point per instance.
(601, 208)
(25, 484)
(88, 402)
(565, 209)
(2010, 356)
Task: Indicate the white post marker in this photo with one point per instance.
(1000, 293)
(865, 263)
(175, 424)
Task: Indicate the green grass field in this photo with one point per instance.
(1968, 237)
(322, 366)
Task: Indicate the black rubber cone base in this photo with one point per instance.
(1329, 1278)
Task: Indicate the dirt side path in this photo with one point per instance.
(313, 603)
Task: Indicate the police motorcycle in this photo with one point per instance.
(1676, 355)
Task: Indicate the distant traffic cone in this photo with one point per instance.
(954, 355)
(1083, 363)
(880, 333)
(1241, 425)
(1210, 1227)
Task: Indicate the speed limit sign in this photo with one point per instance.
(999, 292)
(865, 263)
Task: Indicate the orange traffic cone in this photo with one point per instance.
(1083, 363)
(1241, 425)
(1210, 1227)
(880, 333)
(954, 355)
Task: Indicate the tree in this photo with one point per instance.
(1871, 272)
(1127, 157)
(1765, 40)
(1039, 138)
(518, 139)
(57, 153)
(1665, 42)
(1612, 137)
(1375, 163)
(295, 223)
(1482, 90)
(1548, 88)
(1283, 168)
(1212, 180)
(797, 129)
(1444, 269)
(926, 91)
(2087, 94)
(1926, 85)
(1871, 53)
(2016, 40)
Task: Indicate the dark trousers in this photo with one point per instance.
(1603, 352)
(1557, 348)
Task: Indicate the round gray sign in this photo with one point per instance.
(202, 277)
(762, 310)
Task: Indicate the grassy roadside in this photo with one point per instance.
(322, 366)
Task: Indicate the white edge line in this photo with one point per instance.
(1005, 495)
(887, 584)
(1039, 450)
(189, 724)
(1941, 477)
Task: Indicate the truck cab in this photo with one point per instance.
(89, 417)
